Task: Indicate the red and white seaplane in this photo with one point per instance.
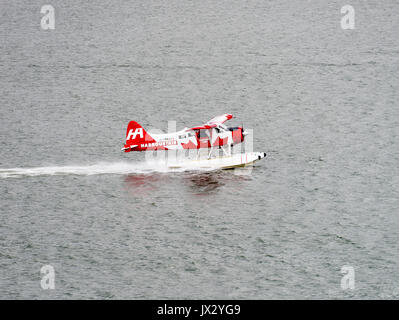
(212, 135)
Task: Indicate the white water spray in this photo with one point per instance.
(98, 168)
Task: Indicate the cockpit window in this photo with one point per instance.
(183, 136)
(202, 134)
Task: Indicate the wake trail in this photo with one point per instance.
(98, 168)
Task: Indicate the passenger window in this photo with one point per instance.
(182, 137)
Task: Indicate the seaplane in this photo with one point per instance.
(213, 135)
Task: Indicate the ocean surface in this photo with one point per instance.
(322, 103)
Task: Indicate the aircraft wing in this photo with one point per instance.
(220, 119)
(214, 122)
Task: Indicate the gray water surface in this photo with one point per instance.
(323, 104)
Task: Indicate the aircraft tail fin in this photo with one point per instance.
(135, 136)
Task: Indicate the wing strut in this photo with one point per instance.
(228, 152)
